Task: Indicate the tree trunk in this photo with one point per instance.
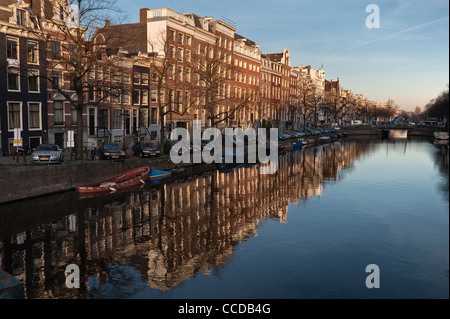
(161, 132)
(80, 130)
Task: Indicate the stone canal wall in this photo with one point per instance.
(412, 131)
(22, 182)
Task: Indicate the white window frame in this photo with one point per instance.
(36, 51)
(21, 115)
(40, 117)
(18, 80)
(17, 50)
(38, 81)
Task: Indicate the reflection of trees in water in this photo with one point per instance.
(441, 159)
(171, 233)
(122, 282)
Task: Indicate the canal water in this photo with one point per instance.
(308, 231)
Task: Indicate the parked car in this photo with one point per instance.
(47, 153)
(111, 151)
(146, 149)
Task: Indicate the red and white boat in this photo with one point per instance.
(127, 179)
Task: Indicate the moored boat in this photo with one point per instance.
(324, 139)
(128, 179)
(310, 141)
(441, 135)
(157, 174)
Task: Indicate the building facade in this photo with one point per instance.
(23, 93)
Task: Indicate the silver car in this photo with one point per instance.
(47, 153)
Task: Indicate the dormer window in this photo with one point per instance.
(21, 17)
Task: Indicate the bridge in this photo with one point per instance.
(418, 131)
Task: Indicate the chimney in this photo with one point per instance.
(107, 23)
(143, 15)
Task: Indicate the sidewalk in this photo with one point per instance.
(8, 161)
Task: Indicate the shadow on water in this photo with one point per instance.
(441, 161)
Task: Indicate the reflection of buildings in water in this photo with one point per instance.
(441, 161)
(174, 232)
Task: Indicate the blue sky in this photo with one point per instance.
(406, 59)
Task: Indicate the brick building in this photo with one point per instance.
(23, 96)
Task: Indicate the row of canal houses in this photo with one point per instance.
(37, 94)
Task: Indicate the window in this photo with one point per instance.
(187, 73)
(115, 96)
(12, 45)
(126, 78)
(180, 38)
(171, 99)
(179, 73)
(21, 17)
(144, 97)
(73, 115)
(153, 95)
(171, 70)
(188, 55)
(34, 116)
(57, 80)
(103, 119)
(117, 76)
(61, 13)
(171, 52)
(179, 101)
(188, 40)
(180, 54)
(58, 113)
(126, 98)
(13, 79)
(33, 81)
(32, 52)
(55, 48)
(91, 93)
(144, 78)
(153, 116)
(117, 119)
(14, 117)
(136, 97)
(197, 48)
(172, 35)
(136, 78)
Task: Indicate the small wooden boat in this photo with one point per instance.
(441, 135)
(127, 179)
(156, 174)
(310, 142)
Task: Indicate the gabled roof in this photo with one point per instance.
(275, 57)
(248, 42)
(130, 37)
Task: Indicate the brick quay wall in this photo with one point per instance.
(22, 182)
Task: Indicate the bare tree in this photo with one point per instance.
(214, 74)
(167, 80)
(73, 52)
(335, 105)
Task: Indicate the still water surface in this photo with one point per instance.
(307, 232)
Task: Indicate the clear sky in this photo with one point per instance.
(406, 59)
